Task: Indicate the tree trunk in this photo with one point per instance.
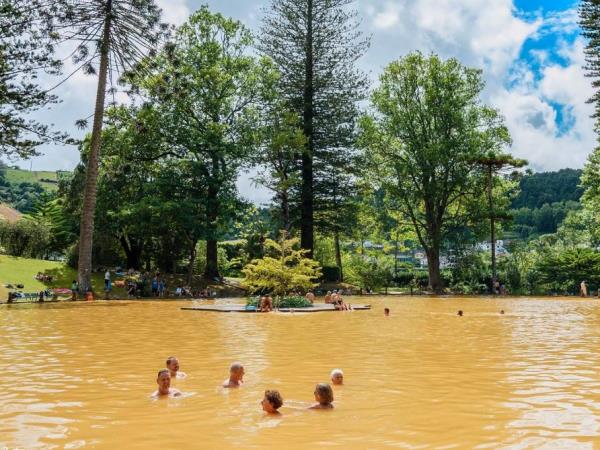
(338, 256)
(492, 227)
(433, 267)
(84, 267)
(212, 267)
(133, 252)
(285, 210)
(307, 208)
(396, 249)
(193, 254)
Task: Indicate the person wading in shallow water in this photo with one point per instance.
(323, 396)
(173, 366)
(271, 402)
(164, 385)
(236, 376)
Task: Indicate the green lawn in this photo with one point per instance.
(23, 271)
(15, 270)
(19, 176)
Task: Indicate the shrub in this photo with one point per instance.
(287, 270)
(25, 238)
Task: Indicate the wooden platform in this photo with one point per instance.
(242, 309)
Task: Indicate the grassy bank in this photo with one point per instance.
(23, 271)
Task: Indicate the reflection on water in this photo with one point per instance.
(80, 375)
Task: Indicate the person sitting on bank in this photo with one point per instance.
(338, 302)
(337, 377)
(236, 376)
(310, 297)
(266, 303)
(271, 402)
(164, 385)
(328, 297)
(323, 396)
(173, 366)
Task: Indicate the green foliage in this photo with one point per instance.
(589, 14)
(471, 273)
(282, 302)
(27, 40)
(369, 271)
(563, 270)
(48, 213)
(529, 222)
(430, 172)
(538, 189)
(25, 238)
(287, 270)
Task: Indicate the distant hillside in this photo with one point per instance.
(48, 180)
(543, 188)
(21, 189)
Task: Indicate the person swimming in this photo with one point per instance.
(501, 311)
(164, 385)
(459, 313)
(173, 366)
(386, 311)
(323, 396)
(337, 376)
(236, 376)
(271, 402)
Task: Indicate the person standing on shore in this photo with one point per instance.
(583, 290)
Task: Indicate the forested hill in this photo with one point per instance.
(21, 189)
(548, 187)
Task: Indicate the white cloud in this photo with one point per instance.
(175, 12)
(388, 17)
(490, 34)
(532, 119)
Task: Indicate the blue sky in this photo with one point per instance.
(531, 53)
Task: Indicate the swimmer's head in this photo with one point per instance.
(323, 393)
(272, 401)
(163, 380)
(386, 311)
(460, 313)
(501, 311)
(172, 364)
(236, 371)
(337, 376)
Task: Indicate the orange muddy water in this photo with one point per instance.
(80, 375)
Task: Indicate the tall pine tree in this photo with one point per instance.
(315, 45)
(589, 13)
(112, 36)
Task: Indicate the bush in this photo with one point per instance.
(563, 270)
(25, 238)
(288, 269)
(283, 302)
